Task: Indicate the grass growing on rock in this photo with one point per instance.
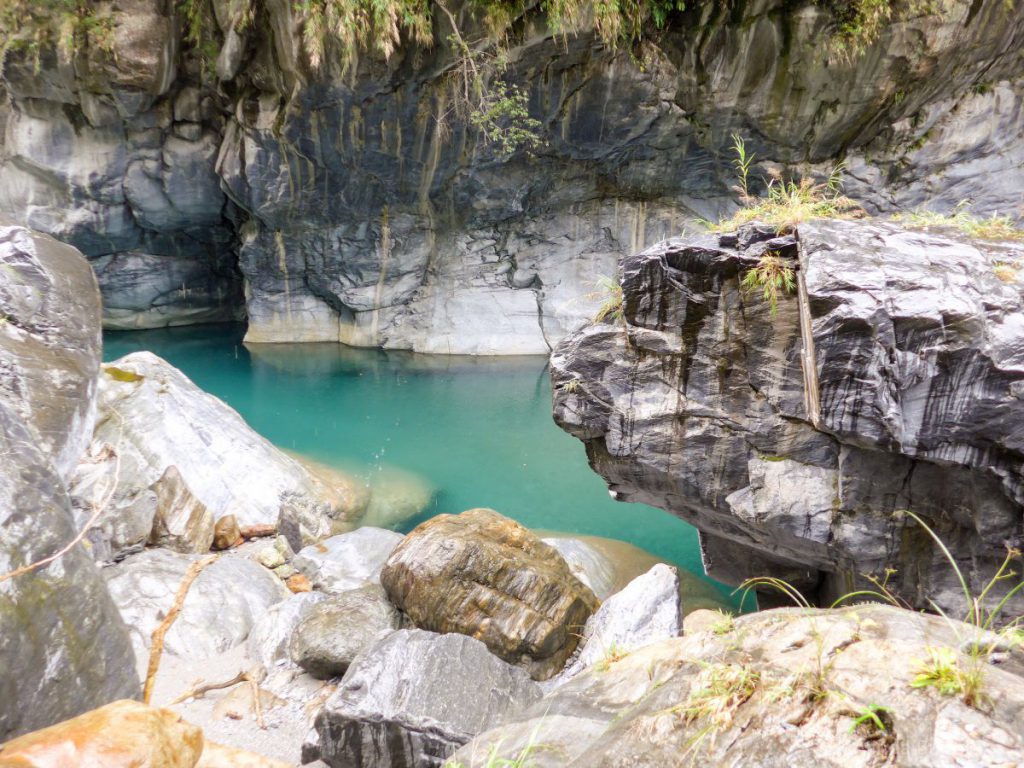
(995, 227)
(949, 671)
(720, 691)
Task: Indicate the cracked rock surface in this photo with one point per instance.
(700, 403)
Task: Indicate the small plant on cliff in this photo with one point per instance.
(871, 719)
(771, 277)
(612, 654)
(610, 293)
(993, 227)
(30, 27)
(944, 671)
(720, 690)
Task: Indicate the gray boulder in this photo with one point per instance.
(336, 630)
(271, 634)
(753, 696)
(219, 611)
(888, 381)
(50, 341)
(153, 417)
(414, 697)
(63, 646)
(646, 611)
(347, 561)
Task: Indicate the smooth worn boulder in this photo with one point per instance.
(347, 561)
(646, 611)
(63, 647)
(785, 688)
(124, 734)
(271, 634)
(484, 575)
(336, 630)
(153, 417)
(220, 608)
(414, 697)
(793, 438)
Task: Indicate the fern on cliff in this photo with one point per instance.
(66, 26)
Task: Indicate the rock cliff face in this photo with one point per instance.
(63, 647)
(348, 213)
(890, 381)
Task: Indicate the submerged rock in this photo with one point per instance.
(784, 689)
(153, 418)
(414, 697)
(700, 404)
(336, 630)
(220, 609)
(608, 565)
(63, 646)
(484, 575)
(348, 561)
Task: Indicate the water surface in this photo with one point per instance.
(479, 430)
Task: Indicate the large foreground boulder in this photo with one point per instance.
(780, 689)
(483, 575)
(220, 609)
(152, 418)
(792, 436)
(415, 697)
(63, 646)
(125, 734)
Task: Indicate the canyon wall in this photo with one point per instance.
(335, 206)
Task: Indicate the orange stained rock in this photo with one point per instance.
(124, 734)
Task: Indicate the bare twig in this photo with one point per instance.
(204, 688)
(157, 647)
(256, 700)
(99, 503)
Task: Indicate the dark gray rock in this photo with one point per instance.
(354, 216)
(336, 630)
(271, 635)
(63, 646)
(699, 404)
(414, 697)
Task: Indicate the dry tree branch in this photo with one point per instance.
(98, 504)
(157, 646)
(199, 690)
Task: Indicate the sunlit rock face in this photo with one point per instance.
(335, 207)
(890, 381)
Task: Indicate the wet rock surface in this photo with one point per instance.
(413, 698)
(396, 233)
(63, 647)
(700, 404)
(766, 669)
(336, 630)
(483, 575)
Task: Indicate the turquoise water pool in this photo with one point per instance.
(478, 430)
